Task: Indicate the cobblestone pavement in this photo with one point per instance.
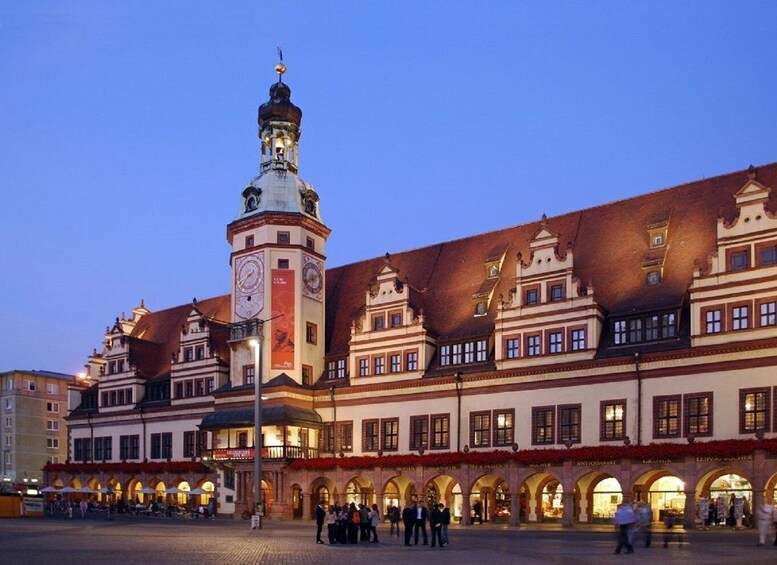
(163, 541)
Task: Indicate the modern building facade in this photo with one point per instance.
(33, 407)
(545, 371)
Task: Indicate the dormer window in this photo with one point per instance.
(657, 240)
(481, 309)
(653, 278)
(493, 271)
(739, 260)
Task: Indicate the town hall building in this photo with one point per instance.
(541, 372)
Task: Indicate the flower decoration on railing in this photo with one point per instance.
(722, 449)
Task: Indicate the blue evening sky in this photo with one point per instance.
(128, 130)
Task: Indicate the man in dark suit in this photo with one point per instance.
(446, 521)
(421, 516)
(320, 513)
(408, 519)
(435, 525)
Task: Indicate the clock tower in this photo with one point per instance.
(277, 258)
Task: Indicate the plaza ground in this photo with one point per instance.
(165, 541)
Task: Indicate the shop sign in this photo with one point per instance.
(716, 459)
(595, 463)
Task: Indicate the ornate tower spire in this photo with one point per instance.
(279, 122)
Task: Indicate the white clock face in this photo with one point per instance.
(311, 275)
(249, 275)
(249, 285)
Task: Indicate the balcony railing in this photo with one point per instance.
(240, 331)
(269, 453)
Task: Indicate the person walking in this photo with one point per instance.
(421, 515)
(374, 520)
(624, 520)
(408, 519)
(435, 525)
(645, 516)
(477, 508)
(320, 514)
(763, 519)
(446, 521)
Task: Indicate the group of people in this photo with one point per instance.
(631, 518)
(348, 523)
(359, 524)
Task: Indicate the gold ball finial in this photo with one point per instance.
(280, 68)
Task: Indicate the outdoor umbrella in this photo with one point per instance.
(49, 489)
(87, 490)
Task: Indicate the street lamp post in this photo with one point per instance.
(256, 343)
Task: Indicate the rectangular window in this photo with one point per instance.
(635, 330)
(188, 444)
(390, 434)
(754, 410)
(396, 320)
(556, 292)
(52, 388)
(698, 414)
(188, 353)
(124, 447)
(419, 432)
(283, 263)
(668, 325)
(469, 352)
(378, 323)
(242, 439)
(341, 368)
(503, 427)
(52, 425)
(311, 333)
(767, 256)
(364, 367)
(52, 443)
(740, 316)
(768, 314)
(379, 365)
(440, 431)
(249, 241)
(532, 345)
(370, 435)
(555, 342)
(739, 260)
(512, 348)
(189, 389)
(480, 429)
(134, 446)
(456, 350)
(30, 385)
(199, 387)
(156, 446)
(210, 382)
(666, 416)
(284, 237)
(331, 370)
(712, 321)
(9, 422)
(578, 339)
(613, 420)
(651, 328)
(395, 363)
(201, 441)
(445, 355)
(481, 353)
(179, 390)
(619, 332)
(569, 419)
(52, 407)
(199, 352)
(411, 361)
(345, 436)
(532, 296)
(167, 445)
(542, 425)
(310, 243)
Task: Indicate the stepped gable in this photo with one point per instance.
(158, 334)
(609, 242)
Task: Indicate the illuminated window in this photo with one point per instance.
(390, 434)
(480, 429)
(697, 410)
(613, 418)
(754, 410)
(503, 427)
(440, 431)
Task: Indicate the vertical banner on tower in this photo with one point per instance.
(282, 336)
